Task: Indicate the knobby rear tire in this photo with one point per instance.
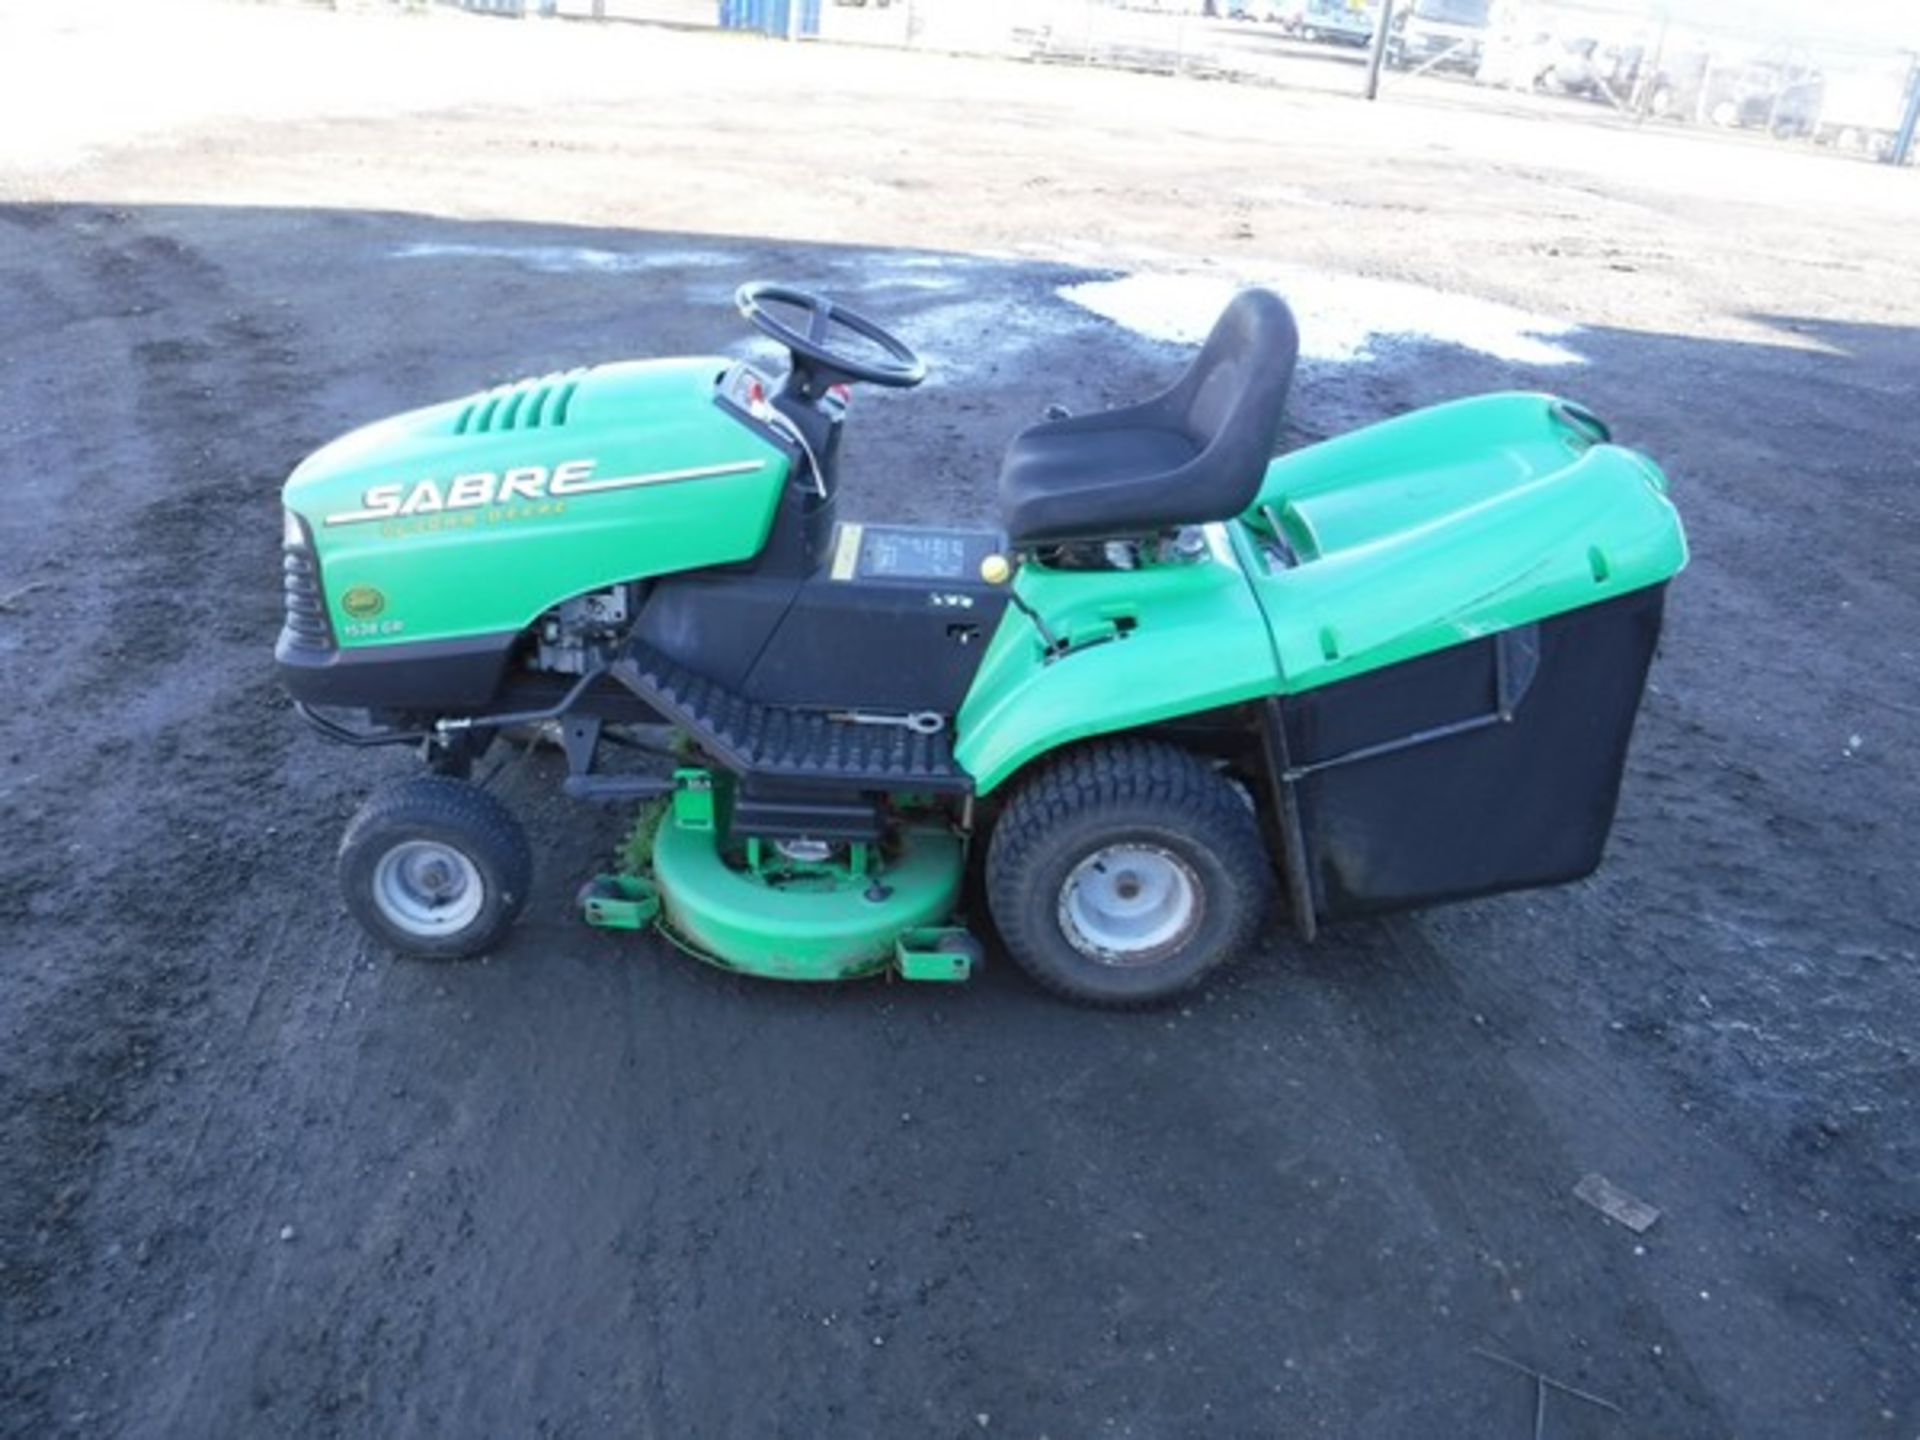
(1130, 796)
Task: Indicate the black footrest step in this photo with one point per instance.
(617, 787)
(779, 743)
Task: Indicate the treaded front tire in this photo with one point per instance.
(435, 867)
(1125, 871)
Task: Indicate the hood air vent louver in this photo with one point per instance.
(538, 404)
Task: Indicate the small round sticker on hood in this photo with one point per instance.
(363, 602)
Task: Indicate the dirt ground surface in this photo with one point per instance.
(258, 1178)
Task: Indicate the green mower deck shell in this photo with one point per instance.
(743, 923)
(1145, 646)
(472, 517)
(1450, 524)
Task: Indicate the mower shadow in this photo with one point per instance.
(588, 1177)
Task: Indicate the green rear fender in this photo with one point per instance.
(1143, 646)
(1447, 524)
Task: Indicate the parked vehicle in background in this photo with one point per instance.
(1776, 90)
(1674, 90)
(1338, 22)
(1566, 67)
(1858, 108)
(1439, 34)
(1779, 92)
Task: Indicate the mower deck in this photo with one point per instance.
(820, 926)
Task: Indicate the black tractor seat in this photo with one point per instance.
(1194, 454)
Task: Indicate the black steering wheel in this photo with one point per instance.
(816, 363)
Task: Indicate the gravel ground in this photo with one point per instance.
(256, 1178)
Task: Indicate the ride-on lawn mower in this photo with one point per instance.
(1188, 678)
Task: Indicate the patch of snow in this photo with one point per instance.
(932, 284)
(567, 259)
(1343, 318)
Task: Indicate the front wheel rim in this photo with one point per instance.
(1130, 905)
(428, 889)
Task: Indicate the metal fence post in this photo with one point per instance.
(1647, 74)
(1903, 142)
(1379, 51)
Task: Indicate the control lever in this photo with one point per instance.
(921, 722)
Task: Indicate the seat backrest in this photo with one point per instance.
(1191, 455)
(1233, 398)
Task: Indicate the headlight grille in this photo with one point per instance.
(306, 618)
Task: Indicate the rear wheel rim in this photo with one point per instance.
(428, 889)
(1130, 905)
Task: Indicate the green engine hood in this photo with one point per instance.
(472, 517)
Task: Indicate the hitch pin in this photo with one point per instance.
(921, 722)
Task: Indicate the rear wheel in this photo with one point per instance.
(1124, 872)
(434, 867)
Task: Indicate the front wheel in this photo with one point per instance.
(435, 867)
(1124, 872)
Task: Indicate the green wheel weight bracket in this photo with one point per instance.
(620, 902)
(938, 953)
